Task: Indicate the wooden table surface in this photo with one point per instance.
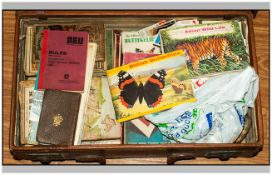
(261, 27)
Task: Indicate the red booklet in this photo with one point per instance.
(63, 60)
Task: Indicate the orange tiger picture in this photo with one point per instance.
(218, 47)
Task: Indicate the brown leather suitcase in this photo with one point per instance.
(252, 144)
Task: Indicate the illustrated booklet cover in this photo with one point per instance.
(135, 43)
(100, 123)
(149, 80)
(211, 48)
(131, 57)
(142, 131)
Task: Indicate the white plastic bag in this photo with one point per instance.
(218, 114)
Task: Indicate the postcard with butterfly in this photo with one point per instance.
(144, 87)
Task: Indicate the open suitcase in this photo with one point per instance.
(250, 146)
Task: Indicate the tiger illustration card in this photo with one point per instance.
(211, 48)
(144, 86)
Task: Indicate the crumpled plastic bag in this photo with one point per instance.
(217, 116)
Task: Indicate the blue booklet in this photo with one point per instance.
(141, 131)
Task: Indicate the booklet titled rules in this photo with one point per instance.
(63, 60)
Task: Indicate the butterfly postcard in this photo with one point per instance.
(146, 86)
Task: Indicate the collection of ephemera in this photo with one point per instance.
(105, 83)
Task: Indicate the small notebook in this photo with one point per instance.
(58, 117)
(63, 60)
